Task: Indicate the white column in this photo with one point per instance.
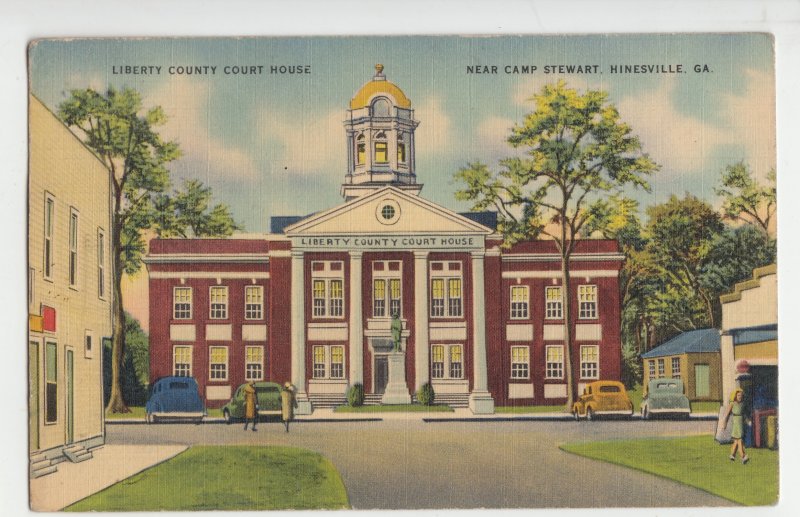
(421, 346)
(356, 333)
(727, 365)
(298, 325)
(480, 400)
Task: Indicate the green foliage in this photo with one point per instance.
(355, 395)
(631, 366)
(745, 199)
(135, 378)
(426, 395)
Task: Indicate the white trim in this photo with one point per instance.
(527, 362)
(257, 275)
(550, 257)
(260, 289)
(260, 363)
(280, 254)
(171, 258)
(527, 302)
(592, 273)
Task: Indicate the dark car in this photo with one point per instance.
(268, 399)
(175, 398)
(665, 397)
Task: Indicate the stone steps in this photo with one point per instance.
(40, 466)
(77, 453)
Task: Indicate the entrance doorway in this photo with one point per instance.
(381, 373)
(33, 395)
(69, 370)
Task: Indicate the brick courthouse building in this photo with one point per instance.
(312, 301)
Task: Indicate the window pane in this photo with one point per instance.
(337, 298)
(381, 156)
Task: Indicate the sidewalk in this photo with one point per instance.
(110, 464)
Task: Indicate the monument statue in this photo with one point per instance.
(397, 330)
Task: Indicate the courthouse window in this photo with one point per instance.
(520, 362)
(587, 301)
(182, 303)
(327, 289)
(51, 383)
(254, 363)
(554, 362)
(381, 149)
(219, 302)
(386, 289)
(401, 150)
(446, 290)
(253, 302)
(182, 361)
(218, 363)
(328, 362)
(589, 362)
(360, 149)
(447, 362)
(553, 301)
(519, 302)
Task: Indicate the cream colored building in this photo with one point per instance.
(69, 292)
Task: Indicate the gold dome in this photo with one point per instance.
(376, 86)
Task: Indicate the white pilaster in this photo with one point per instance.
(480, 400)
(356, 320)
(298, 324)
(421, 345)
(728, 366)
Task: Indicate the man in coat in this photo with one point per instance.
(250, 405)
(288, 403)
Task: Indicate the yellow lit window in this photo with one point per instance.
(381, 153)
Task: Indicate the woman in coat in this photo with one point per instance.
(288, 403)
(250, 406)
(735, 411)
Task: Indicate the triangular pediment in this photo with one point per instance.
(387, 211)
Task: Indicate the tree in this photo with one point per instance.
(122, 134)
(577, 151)
(136, 373)
(746, 200)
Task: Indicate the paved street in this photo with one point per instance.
(410, 464)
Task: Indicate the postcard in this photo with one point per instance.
(409, 272)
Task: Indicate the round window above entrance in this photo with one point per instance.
(388, 211)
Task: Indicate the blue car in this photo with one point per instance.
(175, 397)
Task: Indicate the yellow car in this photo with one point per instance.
(602, 398)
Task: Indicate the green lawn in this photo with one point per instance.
(391, 408)
(227, 478)
(697, 461)
(529, 409)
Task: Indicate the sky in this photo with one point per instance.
(260, 139)
(274, 143)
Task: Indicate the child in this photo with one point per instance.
(737, 429)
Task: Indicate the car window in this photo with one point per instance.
(609, 389)
(179, 385)
(268, 389)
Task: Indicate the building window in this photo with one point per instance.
(31, 284)
(676, 367)
(519, 302)
(253, 302)
(253, 363)
(101, 263)
(51, 383)
(360, 149)
(88, 344)
(386, 289)
(661, 368)
(651, 368)
(587, 301)
(49, 213)
(327, 287)
(219, 302)
(73, 247)
(328, 362)
(401, 150)
(182, 303)
(589, 361)
(553, 303)
(446, 292)
(554, 362)
(182, 361)
(381, 148)
(218, 363)
(447, 362)
(520, 362)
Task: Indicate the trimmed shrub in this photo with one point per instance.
(355, 395)
(425, 394)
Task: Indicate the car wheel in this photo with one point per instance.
(226, 415)
(589, 414)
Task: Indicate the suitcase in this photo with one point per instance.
(723, 434)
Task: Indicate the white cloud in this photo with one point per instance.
(434, 134)
(186, 103)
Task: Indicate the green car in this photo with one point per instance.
(665, 397)
(268, 398)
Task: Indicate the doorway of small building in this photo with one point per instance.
(70, 379)
(702, 381)
(33, 395)
(381, 373)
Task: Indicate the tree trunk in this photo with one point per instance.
(567, 299)
(116, 401)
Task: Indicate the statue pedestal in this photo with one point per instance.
(396, 389)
